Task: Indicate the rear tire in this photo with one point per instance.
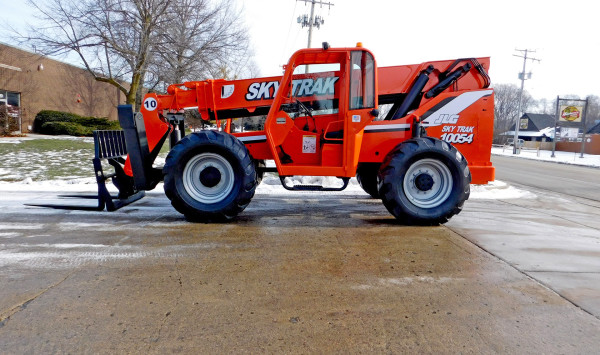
(209, 176)
(366, 174)
(424, 181)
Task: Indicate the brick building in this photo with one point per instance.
(31, 82)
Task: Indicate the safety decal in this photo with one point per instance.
(309, 144)
(227, 91)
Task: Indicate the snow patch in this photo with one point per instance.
(546, 155)
(9, 234)
(19, 226)
(498, 190)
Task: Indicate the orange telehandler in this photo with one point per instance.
(322, 119)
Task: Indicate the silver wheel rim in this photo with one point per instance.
(201, 192)
(434, 173)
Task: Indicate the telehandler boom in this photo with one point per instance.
(322, 119)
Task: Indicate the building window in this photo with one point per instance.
(13, 98)
(10, 98)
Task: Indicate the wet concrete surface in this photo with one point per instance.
(306, 273)
(551, 237)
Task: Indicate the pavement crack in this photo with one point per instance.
(175, 306)
(6, 315)
(550, 214)
(525, 273)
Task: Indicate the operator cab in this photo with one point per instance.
(325, 100)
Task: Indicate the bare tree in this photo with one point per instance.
(113, 38)
(204, 39)
(124, 42)
(547, 106)
(593, 111)
(506, 107)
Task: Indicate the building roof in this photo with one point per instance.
(540, 120)
(537, 122)
(595, 129)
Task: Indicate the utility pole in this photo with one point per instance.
(522, 77)
(312, 21)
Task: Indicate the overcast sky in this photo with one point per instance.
(564, 35)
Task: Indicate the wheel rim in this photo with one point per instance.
(428, 183)
(208, 178)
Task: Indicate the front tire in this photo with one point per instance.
(424, 181)
(209, 176)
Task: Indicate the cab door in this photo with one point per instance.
(362, 101)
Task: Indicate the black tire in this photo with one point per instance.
(424, 181)
(366, 174)
(209, 176)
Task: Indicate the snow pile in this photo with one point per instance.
(546, 155)
(498, 190)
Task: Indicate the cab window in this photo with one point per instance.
(362, 80)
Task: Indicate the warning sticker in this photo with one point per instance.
(309, 144)
(227, 91)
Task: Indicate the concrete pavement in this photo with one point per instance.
(300, 274)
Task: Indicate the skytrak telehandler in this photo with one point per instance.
(322, 119)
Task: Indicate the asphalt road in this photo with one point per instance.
(578, 181)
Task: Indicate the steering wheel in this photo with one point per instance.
(304, 108)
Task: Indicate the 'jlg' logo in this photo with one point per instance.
(446, 119)
(300, 88)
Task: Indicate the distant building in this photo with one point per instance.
(31, 82)
(537, 127)
(595, 129)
